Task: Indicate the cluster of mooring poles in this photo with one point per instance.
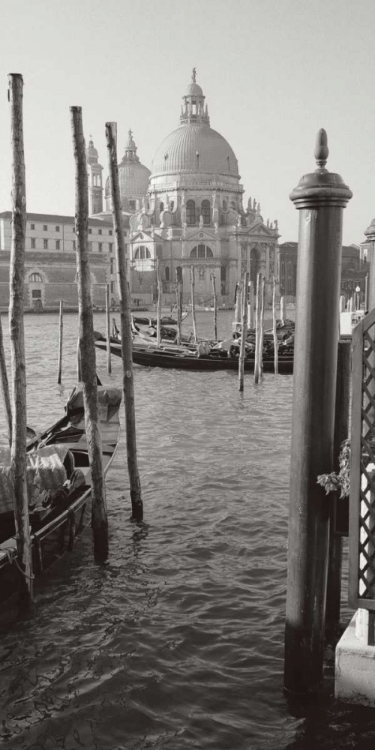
(320, 393)
(15, 405)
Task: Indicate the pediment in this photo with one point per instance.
(142, 236)
(201, 235)
(259, 229)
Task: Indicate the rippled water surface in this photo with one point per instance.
(177, 641)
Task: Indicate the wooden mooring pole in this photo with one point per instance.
(5, 386)
(274, 329)
(192, 288)
(99, 519)
(320, 197)
(261, 331)
(158, 304)
(251, 305)
(215, 305)
(17, 339)
(341, 433)
(257, 373)
(241, 362)
(61, 312)
(179, 310)
(126, 333)
(108, 328)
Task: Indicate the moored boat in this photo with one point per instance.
(58, 479)
(196, 359)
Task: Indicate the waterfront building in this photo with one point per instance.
(354, 269)
(50, 260)
(188, 211)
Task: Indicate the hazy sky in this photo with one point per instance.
(273, 72)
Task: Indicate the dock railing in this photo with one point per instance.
(362, 468)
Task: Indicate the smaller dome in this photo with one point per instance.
(194, 90)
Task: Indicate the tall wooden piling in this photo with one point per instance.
(108, 328)
(192, 288)
(274, 329)
(341, 433)
(126, 333)
(17, 338)
(241, 362)
(158, 304)
(320, 197)
(99, 519)
(5, 386)
(215, 305)
(61, 314)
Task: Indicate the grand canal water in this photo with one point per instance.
(177, 641)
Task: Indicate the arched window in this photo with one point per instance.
(142, 259)
(35, 278)
(201, 251)
(167, 277)
(225, 205)
(206, 212)
(190, 212)
(161, 206)
(142, 253)
(179, 273)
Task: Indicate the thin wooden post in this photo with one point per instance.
(241, 362)
(5, 385)
(192, 287)
(87, 347)
(366, 293)
(215, 305)
(282, 310)
(341, 433)
(257, 330)
(158, 304)
(126, 333)
(17, 338)
(108, 328)
(61, 312)
(237, 301)
(179, 316)
(251, 322)
(261, 337)
(274, 329)
(320, 197)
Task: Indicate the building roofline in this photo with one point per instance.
(56, 217)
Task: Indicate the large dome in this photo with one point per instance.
(193, 148)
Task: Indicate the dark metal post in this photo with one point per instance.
(320, 197)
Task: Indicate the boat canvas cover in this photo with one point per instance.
(107, 397)
(44, 471)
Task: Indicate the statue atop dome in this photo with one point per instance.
(194, 75)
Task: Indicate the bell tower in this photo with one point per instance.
(94, 170)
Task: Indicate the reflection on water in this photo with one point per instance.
(177, 641)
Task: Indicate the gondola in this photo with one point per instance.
(183, 359)
(58, 482)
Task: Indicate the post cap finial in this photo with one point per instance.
(321, 148)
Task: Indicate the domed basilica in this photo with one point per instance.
(188, 211)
